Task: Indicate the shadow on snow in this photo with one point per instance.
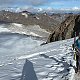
(28, 72)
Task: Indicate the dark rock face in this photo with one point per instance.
(66, 29)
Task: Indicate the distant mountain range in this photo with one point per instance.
(48, 22)
(60, 26)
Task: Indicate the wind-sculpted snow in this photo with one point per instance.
(22, 58)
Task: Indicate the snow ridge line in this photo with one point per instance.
(27, 56)
(35, 54)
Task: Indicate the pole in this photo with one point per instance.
(74, 44)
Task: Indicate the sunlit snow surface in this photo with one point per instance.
(22, 58)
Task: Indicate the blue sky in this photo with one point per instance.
(57, 4)
(66, 4)
(44, 4)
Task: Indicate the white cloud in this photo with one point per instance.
(37, 2)
(70, 9)
(40, 9)
(7, 3)
(50, 8)
(75, 8)
(57, 3)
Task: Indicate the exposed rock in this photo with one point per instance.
(66, 29)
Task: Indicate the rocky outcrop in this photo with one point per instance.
(66, 29)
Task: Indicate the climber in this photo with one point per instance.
(77, 49)
(78, 42)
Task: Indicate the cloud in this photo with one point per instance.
(37, 2)
(40, 5)
(42, 10)
(23, 2)
(75, 8)
(6, 2)
(71, 9)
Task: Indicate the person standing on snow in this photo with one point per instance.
(77, 48)
(78, 42)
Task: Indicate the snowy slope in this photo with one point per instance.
(21, 58)
(52, 61)
(33, 30)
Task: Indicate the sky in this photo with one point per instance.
(41, 4)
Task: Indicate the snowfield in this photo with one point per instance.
(22, 58)
(33, 30)
(51, 61)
